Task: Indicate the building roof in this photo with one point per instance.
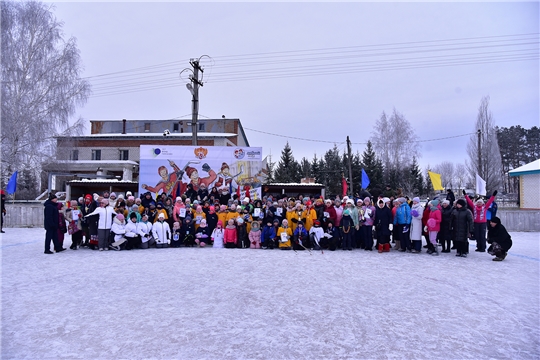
(103, 181)
(160, 135)
(294, 184)
(527, 169)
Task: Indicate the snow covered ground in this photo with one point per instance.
(267, 304)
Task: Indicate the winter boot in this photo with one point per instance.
(398, 245)
(436, 250)
(386, 248)
(380, 248)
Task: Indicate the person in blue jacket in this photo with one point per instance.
(268, 234)
(403, 222)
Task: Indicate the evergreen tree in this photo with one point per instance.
(316, 169)
(305, 168)
(416, 179)
(333, 170)
(288, 170)
(373, 168)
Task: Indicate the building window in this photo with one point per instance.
(202, 127)
(176, 127)
(147, 127)
(74, 155)
(96, 154)
(124, 154)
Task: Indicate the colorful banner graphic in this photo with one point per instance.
(173, 169)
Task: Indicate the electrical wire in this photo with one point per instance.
(329, 61)
(355, 143)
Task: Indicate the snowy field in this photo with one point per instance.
(267, 304)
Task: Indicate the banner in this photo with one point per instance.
(436, 180)
(480, 186)
(172, 169)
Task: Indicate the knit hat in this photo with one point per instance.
(402, 200)
(131, 198)
(434, 202)
(190, 170)
(161, 216)
(447, 202)
(88, 196)
(386, 200)
(178, 198)
(113, 194)
(239, 220)
(461, 202)
(495, 220)
(416, 199)
(133, 215)
(120, 217)
(52, 196)
(367, 199)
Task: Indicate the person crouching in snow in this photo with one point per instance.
(230, 236)
(499, 239)
(268, 235)
(161, 232)
(202, 235)
(284, 235)
(144, 228)
(316, 233)
(132, 234)
(330, 238)
(217, 236)
(242, 240)
(300, 237)
(118, 228)
(255, 235)
(176, 231)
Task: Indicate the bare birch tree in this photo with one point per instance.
(41, 87)
(395, 143)
(447, 171)
(486, 160)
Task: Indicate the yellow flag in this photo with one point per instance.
(436, 180)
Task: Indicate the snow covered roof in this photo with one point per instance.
(98, 162)
(171, 134)
(527, 169)
(294, 184)
(97, 181)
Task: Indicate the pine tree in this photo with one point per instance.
(316, 169)
(288, 170)
(334, 168)
(373, 167)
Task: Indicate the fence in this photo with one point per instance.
(30, 214)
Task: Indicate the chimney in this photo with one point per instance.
(123, 126)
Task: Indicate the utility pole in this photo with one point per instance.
(350, 166)
(194, 89)
(480, 154)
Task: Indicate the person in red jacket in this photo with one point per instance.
(480, 210)
(230, 236)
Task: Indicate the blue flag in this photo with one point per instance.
(365, 180)
(12, 184)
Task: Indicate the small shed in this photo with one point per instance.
(77, 188)
(529, 184)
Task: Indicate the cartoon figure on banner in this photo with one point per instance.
(170, 184)
(224, 178)
(196, 181)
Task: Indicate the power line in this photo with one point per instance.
(356, 143)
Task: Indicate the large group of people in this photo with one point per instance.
(390, 221)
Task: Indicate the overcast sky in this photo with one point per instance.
(317, 71)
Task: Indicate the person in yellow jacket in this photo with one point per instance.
(284, 235)
(248, 219)
(232, 214)
(222, 214)
(309, 216)
(160, 210)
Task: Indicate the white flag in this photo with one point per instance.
(480, 186)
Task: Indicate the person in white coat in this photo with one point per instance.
(144, 229)
(132, 232)
(106, 214)
(161, 231)
(218, 235)
(417, 212)
(119, 230)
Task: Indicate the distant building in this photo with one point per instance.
(109, 156)
(529, 184)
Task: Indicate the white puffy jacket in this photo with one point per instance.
(144, 228)
(105, 217)
(118, 228)
(131, 229)
(161, 232)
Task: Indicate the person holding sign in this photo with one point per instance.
(284, 235)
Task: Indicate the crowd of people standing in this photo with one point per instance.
(108, 221)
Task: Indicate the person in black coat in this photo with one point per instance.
(51, 224)
(445, 234)
(382, 226)
(462, 227)
(499, 239)
(450, 196)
